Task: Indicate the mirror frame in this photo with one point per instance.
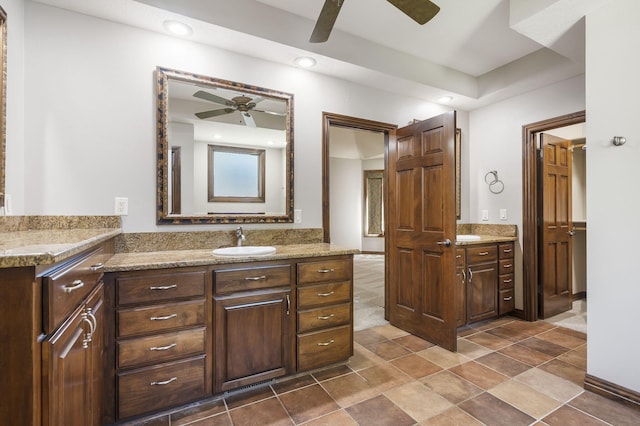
(3, 102)
(163, 216)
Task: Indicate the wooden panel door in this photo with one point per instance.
(556, 227)
(421, 227)
(251, 338)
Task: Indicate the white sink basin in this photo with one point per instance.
(467, 237)
(244, 251)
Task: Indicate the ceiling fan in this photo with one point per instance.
(240, 103)
(421, 11)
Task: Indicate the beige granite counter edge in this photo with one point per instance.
(487, 239)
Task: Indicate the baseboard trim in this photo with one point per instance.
(370, 252)
(612, 391)
(578, 296)
(518, 313)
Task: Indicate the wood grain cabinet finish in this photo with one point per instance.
(325, 312)
(161, 318)
(484, 277)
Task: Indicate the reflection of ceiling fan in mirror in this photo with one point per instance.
(421, 11)
(240, 103)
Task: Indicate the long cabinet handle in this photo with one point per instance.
(326, 317)
(470, 275)
(163, 287)
(325, 271)
(166, 382)
(166, 317)
(163, 348)
(326, 343)
(76, 285)
(464, 276)
(261, 277)
(288, 304)
(326, 294)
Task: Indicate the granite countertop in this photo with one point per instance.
(487, 239)
(181, 258)
(45, 247)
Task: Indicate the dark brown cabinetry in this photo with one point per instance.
(160, 339)
(484, 274)
(325, 312)
(253, 322)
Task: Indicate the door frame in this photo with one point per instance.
(530, 237)
(389, 131)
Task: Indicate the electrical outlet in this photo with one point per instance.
(485, 215)
(503, 214)
(121, 206)
(297, 216)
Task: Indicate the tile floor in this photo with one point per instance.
(506, 372)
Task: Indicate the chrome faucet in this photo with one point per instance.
(240, 236)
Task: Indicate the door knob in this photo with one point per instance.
(446, 243)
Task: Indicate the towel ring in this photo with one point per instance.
(495, 185)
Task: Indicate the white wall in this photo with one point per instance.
(613, 208)
(89, 99)
(495, 143)
(345, 202)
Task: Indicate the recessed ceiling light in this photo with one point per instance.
(305, 62)
(217, 136)
(445, 99)
(177, 28)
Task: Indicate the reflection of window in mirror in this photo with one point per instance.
(373, 203)
(176, 182)
(236, 174)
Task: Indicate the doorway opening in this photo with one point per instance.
(352, 146)
(533, 220)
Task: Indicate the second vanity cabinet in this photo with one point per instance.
(484, 278)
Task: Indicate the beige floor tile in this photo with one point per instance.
(452, 387)
(553, 386)
(452, 417)
(418, 401)
(389, 331)
(525, 398)
(443, 357)
(339, 417)
(471, 350)
(363, 358)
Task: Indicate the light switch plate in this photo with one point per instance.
(8, 205)
(485, 215)
(297, 216)
(503, 214)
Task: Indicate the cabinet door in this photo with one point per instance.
(482, 292)
(252, 340)
(72, 388)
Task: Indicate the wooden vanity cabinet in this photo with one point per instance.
(253, 320)
(161, 318)
(506, 299)
(460, 290)
(324, 312)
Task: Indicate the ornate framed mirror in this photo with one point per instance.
(196, 112)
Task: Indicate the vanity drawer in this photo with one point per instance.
(153, 319)
(324, 294)
(149, 288)
(461, 258)
(505, 282)
(160, 348)
(324, 317)
(323, 271)
(244, 279)
(505, 266)
(506, 301)
(324, 347)
(505, 250)
(482, 254)
(65, 288)
(160, 387)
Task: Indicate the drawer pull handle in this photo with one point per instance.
(77, 284)
(326, 343)
(325, 271)
(166, 382)
(326, 294)
(506, 251)
(163, 348)
(464, 276)
(507, 281)
(163, 287)
(506, 299)
(507, 266)
(288, 305)
(326, 317)
(166, 317)
(261, 277)
(483, 253)
(458, 256)
(97, 266)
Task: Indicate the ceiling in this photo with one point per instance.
(478, 51)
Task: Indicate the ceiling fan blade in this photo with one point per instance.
(212, 98)
(248, 119)
(214, 113)
(279, 114)
(421, 11)
(326, 20)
